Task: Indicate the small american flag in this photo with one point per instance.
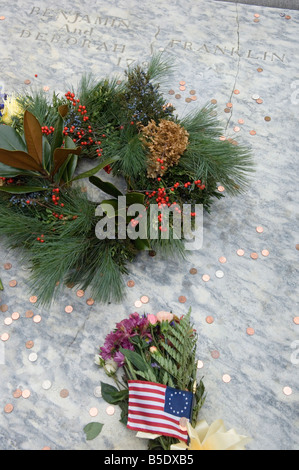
(158, 409)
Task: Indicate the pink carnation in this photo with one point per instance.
(152, 319)
(164, 316)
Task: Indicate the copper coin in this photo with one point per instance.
(171, 92)
(214, 101)
(193, 271)
(256, 15)
(8, 321)
(194, 98)
(26, 394)
(260, 70)
(5, 337)
(222, 260)
(237, 129)
(182, 83)
(229, 105)
(260, 101)
(131, 284)
(250, 331)
(46, 88)
(226, 378)
(68, 309)
(33, 299)
(259, 229)
(178, 96)
(90, 302)
(46, 448)
(80, 293)
(287, 391)
(297, 248)
(144, 299)
(183, 424)
(288, 17)
(152, 253)
(265, 253)
(2, 18)
(206, 278)
(93, 412)
(182, 299)
(256, 20)
(188, 100)
(7, 266)
(240, 252)
(17, 393)
(29, 314)
(252, 132)
(227, 110)
(241, 121)
(15, 316)
(296, 320)
(110, 410)
(70, 285)
(27, 82)
(215, 354)
(210, 320)
(4, 308)
(236, 92)
(64, 393)
(138, 304)
(193, 92)
(267, 118)
(8, 408)
(254, 255)
(182, 88)
(37, 319)
(29, 344)
(222, 138)
(12, 283)
(221, 189)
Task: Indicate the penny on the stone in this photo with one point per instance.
(144, 299)
(33, 299)
(12, 283)
(210, 320)
(215, 354)
(254, 256)
(296, 320)
(182, 299)
(130, 283)
(27, 82)
(265, 253)
(15, 316)
(29, 314)
(297, 248)
(250, 331)
(221, 189)
(171, 92)
(193, 271)
(17, 393)
(93, 412)
(206, 278)
(8, 408)
(8, 321)
(138, 304)
(4, 337)
(287, 391)
(178, 96)
(64, 393)
(222, 260)
(226, 378)
(267, 118)
(26, 394)
(29, 344)
(110, 410)
(90, 302)
(240, 252)
(7, 266)
(80, 293)
(37, 319)
(68, 309)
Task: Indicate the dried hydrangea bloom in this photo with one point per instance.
(166, 142)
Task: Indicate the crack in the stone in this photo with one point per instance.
(80, 329)
(156, 35)
(239, 60)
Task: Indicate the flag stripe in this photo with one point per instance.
(157, 416)
(143, 398)
(153, 429)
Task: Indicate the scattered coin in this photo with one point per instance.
(9, 407)
(138, 304)
(252, 132)
(32, 357)
(256, 15)
(27, 82)
(267, 118)
(241, 121)
(260, 101)
(222, 138)
(17, 393)
(229, 105)
(215, 354)
(5, 337)
(110, 410)
(221, 189)
(8, 321)
(236, 92)
(29, 344)
(194, 98)
(213, 101)
(193, 271)
(12, 283)
(210, 320)
(46, 385)
(15, 316)
(287, 391)
(171, 92)
(144, 299)
(188, 100)
(206, 278)
(222, 260)
(68, 309)
(182, 88)
(256, 20)
(226, 378)
(178, 96)
(219, 274)
(288, 17)
(90, 302)
(200, 365)
(240, 252)
(33, 299)
(297, 248)
(4, 308)
(260, 69)
(259, 229)
(152, 253)
(2, 18)
(227, 110)
(46, 88)
(7, 266)
(265, 253)
(29, 314)
(26, 394)
(37, 319)
(250, 331)
(182, 83)
(93, 412)
(254, 255)
(182, 299)
(237, 129)
(255, 97)
(193, 92)
(131, 284)
(64, 393)
(80, 293)
(296, 320)
(46, 448)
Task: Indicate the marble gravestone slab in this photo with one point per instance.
(235, 54)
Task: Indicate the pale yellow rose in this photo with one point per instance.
(12, 109)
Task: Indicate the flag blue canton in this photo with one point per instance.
(178, 403)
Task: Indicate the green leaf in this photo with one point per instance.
(1, 285)
(142, 244)
(135, 359)
(112, 395)
(46, 154)
(92, 430)
(105, 186)
(9, 172)
(72, 164)
(135, 198)
(93, 171)
(10, 139)
(22, 189)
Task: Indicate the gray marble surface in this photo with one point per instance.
(217, 48)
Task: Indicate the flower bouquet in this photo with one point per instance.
(152, 359)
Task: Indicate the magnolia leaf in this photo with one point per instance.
(63, 110)
(72, 164)
(141, 244)
(46, 154)
(22, 189)
(9, 172)
(61, 154)
(93, 171)
(19, 159)
(10, 139)
(34, 137)
(92, 430)
(105, 186)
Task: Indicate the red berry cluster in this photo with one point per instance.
(55, 200)
(47, 130)
(7, 180)
(41, 239)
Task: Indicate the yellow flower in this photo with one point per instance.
(12, 109)
(213, 437)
